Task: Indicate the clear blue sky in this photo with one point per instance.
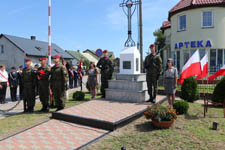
(81, 24)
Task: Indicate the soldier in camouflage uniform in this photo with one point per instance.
(29, 81)
(106, 66)
(43, 84)
(153, 65)
(58, 81)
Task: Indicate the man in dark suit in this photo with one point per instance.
(13, 83)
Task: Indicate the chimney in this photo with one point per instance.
(33, 37)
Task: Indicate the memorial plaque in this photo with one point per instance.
(126, 65)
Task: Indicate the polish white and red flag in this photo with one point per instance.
(220, 72)
(204, 67)
(191, 68)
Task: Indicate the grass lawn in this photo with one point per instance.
(15, 123)
(190, 132)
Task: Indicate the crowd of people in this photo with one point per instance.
(47, 82)
(51, 82)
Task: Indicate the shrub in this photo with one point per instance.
(181, 107)
(218, 93)
(78, 95)
(189, 90)
(160, 113)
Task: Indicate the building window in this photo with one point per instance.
(202, 53)
(207, 19)
(2, 49)
(178, 60)
(56, 50)
(217, 59)
(182, 23)
(38, 48)
(224, 57)
(186, 56)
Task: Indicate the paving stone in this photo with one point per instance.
(60, 135)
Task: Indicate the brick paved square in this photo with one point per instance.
(52, 135)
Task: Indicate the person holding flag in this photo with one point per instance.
(80, 74)
(43, 73)
(191, 68)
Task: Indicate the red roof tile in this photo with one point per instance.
(188, 3)
(166, 24)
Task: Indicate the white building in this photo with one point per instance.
(196, 24)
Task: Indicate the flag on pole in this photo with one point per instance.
(220, 72)
(191, 68)
(80, 67)
(204, 67)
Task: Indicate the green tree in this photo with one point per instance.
(86, 64)
(159, 38)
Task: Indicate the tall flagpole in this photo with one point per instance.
(49, 32)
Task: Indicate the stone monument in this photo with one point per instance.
(130, 84)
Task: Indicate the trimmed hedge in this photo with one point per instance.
(181, 107)
(219, 93)
(78, 95)
(189, 90)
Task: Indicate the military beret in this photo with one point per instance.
(152, 45)
(105, 51)
(13, 68)
(28, 59)
(43, 58)
(56, 57)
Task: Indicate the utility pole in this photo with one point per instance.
(49, 33)
(141, 34)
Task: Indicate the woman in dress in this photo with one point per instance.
(170, 81)
(92, 79)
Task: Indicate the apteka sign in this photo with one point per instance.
(193, 44)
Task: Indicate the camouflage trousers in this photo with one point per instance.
(104, 83)
(58, 91)
(44, 94)
(152, 83)
(29, 97)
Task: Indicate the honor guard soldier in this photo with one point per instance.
(29, 81)
(106, 66)
(43, 73)
(153, 66)
(58, 81)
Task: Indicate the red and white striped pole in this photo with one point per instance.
(49, 32)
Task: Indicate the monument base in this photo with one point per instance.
(128, 88)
